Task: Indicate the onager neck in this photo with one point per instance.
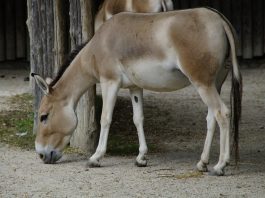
(74, 82)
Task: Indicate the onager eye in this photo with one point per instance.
(43, 118)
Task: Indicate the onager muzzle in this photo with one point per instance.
(47, 154)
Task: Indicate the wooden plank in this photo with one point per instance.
(258, 28)
(10, 27)
(264, 27)
(194, 3)
(226, 9)
(237, 23)
(2, 32)
(247, 29)
(216, 4)
(20, 29)
(204, 3)
(176, 4)
(184, 4)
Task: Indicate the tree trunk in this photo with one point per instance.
(81, 30)
(41, 32)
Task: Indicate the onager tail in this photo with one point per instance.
(236, 89)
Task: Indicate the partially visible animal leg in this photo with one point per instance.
(211, 124)
(138, 118)
(213, 100)
(109, 96)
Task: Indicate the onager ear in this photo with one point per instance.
(43, 85)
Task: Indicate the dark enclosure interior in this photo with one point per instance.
(13, 30)
(247, 17)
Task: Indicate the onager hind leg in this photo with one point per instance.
(138, 118)
(109, 96)
(221, 113)
(211, 126)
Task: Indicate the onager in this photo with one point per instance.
(159, 52)
(111, 7)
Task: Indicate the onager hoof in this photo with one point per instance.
(141, 162)
(93, 164)
(202, 167)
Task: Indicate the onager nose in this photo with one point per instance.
(50, 157)
(47, 154)
(42, 156)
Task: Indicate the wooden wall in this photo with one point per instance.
(248, 18)
(13, 32)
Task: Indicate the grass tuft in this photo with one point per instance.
(16, 124)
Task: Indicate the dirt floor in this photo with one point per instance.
(175, 127)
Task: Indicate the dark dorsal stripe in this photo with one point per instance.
(66, 63)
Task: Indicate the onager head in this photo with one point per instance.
(57, 121)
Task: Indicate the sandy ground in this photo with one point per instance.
(176, 123)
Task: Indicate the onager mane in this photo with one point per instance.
(70, 57)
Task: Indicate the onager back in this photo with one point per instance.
(160, 52)
(111, 7)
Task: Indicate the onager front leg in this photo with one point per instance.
(109, 96)
(138, 118)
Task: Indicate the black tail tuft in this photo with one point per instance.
(236, 102)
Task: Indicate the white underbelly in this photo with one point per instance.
(156, 77)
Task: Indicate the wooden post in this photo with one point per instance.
(10, 25)
(75, 23)
(61, 16)
(40, 27)
(2, 32)
(81, 30)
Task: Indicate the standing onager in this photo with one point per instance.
(160, 52)
(111, 7)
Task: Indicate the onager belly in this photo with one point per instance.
(157, 78)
